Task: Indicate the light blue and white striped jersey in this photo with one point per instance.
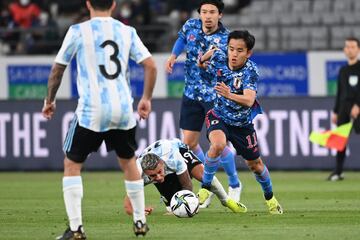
(103, 47)
(169, 152)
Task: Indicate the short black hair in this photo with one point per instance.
(217, 3)
(248, 38)
(101, 4)
(150, 161)
(353, 39)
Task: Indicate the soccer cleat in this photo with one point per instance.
(236, 207)
(140, 228)
(203, 195)
(335, 177)
(274, 206)
(235, 193)
(207, 201)
(73, 235)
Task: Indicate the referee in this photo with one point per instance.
(347, 104)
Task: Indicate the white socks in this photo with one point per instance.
(135, 192)
(219, 190)
(73, 193)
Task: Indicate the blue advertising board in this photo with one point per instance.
(282, 74)
(332, 71)
(28, 81)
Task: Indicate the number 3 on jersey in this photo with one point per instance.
(113, 58)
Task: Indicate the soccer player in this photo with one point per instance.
(102, 47)
(198, 36)
(235, 108)
(170, 164)
(347, 104)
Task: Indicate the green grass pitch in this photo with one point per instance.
(31, 207)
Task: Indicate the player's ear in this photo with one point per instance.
(88, 5)
(113, 6)
(220, 15)
(249, 53)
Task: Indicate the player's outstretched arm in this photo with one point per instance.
(150, 71)
(185, 180)
(54, 81)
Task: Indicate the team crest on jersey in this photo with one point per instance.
(353, 80)
(216, 40)
(237, 82)
(192, 37)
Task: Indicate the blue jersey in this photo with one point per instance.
(169, 152)
(199, 84)
(246, 77)
(103, 47)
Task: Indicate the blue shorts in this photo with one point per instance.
(243, 138)
(192, 114)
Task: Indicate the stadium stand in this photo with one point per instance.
(278, 25)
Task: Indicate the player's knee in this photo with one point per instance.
(217, 148)
(191, 143)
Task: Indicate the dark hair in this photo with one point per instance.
(217, 3)
(353, 39)
(150, 161)
(248, 38)
(101, 4)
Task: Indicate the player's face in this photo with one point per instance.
(210, 16)
(351, 49)
(238, 53)
(157, 174)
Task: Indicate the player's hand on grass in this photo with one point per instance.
(148, 210)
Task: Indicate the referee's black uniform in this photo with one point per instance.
(348, 94)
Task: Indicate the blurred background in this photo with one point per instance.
(298, 51)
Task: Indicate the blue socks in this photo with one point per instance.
(199, 153)
(210, 167)
(228, 163)
(265, 182)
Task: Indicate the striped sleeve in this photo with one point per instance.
(68, 47)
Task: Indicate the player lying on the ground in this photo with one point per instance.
(170, 164)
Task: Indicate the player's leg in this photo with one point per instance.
(79, 142)
(262, 176)
(244, 140)
(124, 144)
(216, 188)
(228, 163)
(216, 135)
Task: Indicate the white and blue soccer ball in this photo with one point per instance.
(184, 204)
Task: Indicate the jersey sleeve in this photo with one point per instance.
(251, 79)
(188, 25)
(69, 46)
(138, 51)
(181, 166)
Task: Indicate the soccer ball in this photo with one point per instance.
(184, 204)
